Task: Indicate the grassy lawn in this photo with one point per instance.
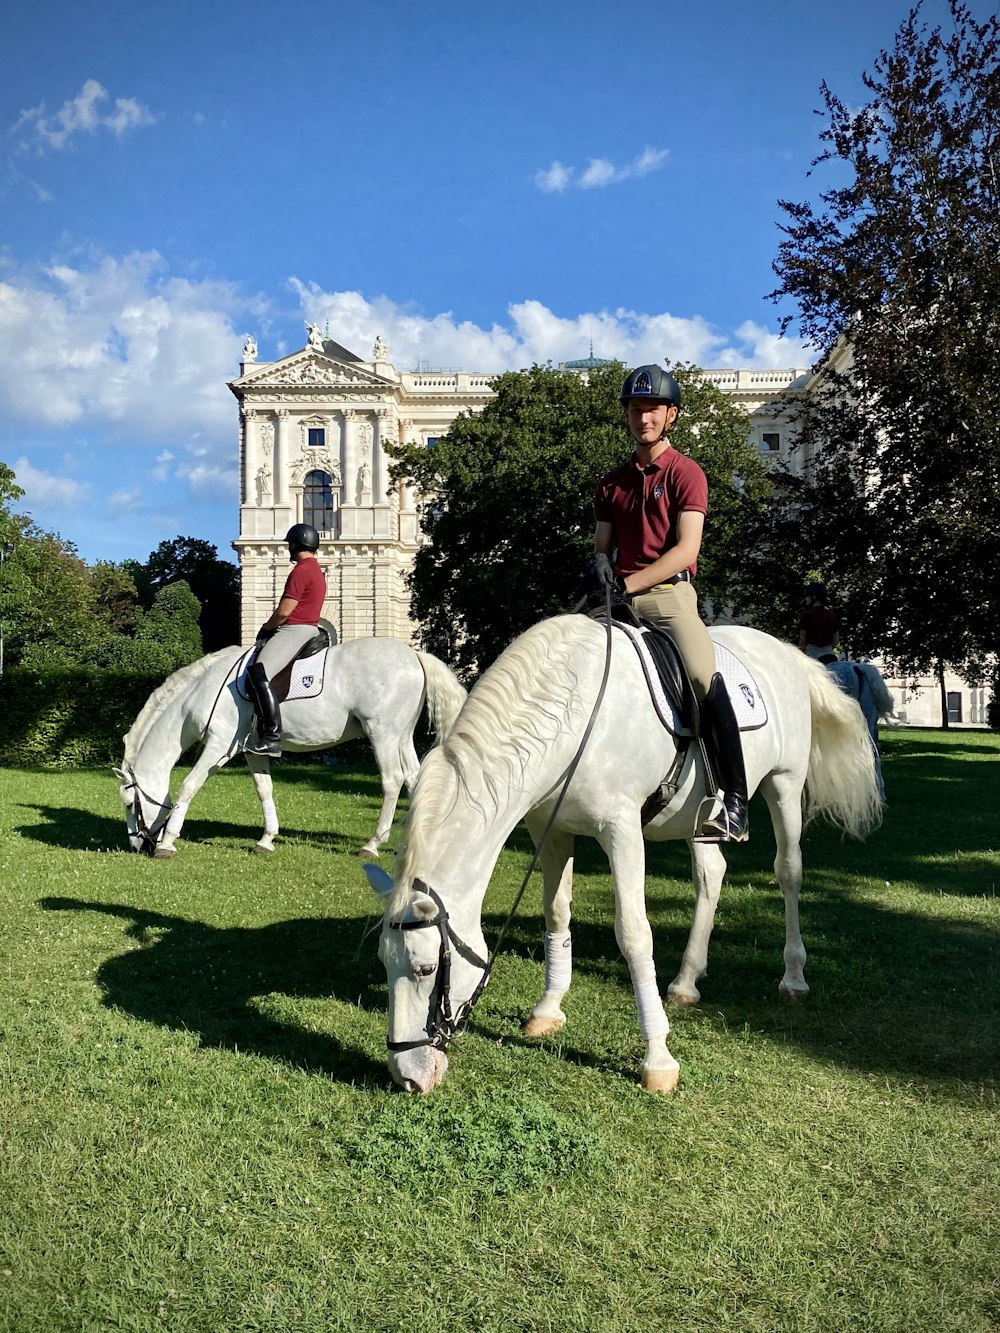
(198, 1132)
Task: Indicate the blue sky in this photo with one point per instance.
(484, 186)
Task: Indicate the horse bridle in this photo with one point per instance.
(442, 1025)
(149, 839)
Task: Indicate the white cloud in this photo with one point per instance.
(83, 114)
(533, 333)
(43, 488)
(599, 172)
(125, 501)
(118, 343)
(554, 179)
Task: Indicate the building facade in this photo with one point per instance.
(313, 429)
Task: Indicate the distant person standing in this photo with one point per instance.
(819, 628)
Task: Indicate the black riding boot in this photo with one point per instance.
(268, 742)
(721, 734)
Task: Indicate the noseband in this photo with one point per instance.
(442, 1025)
(149, 840)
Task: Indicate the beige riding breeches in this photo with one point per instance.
(675, 607)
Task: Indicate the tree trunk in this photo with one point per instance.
(944, 695)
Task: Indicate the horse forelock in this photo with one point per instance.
(526, 699)
(162, 696)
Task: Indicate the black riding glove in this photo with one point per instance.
(264, 634)
(601, 577)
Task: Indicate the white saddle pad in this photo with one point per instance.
(308, 674)
(748, 705)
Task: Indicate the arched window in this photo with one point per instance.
(317, 501)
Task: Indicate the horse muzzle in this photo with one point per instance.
(419, 1071)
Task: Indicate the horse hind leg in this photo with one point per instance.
(394, 768)
(784, 801)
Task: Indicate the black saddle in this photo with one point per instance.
(677, 687)
(669, 663)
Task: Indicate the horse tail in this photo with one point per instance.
(445, 694)
(885, 705)
(842, 779)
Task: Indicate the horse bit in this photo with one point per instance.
(442, 1025)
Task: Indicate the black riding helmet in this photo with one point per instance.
(817, 590)
(652, 382)
(302, 537)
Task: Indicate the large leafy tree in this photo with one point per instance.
(215, 583)
(895, 274)
(507, 502)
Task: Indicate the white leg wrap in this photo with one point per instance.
(558, 961)
(176, 821)
(270, 816)
(652, 1016)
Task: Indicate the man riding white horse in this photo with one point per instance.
(650, 514)
(288, 629)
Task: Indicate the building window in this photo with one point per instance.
(317, 437)
(954, 706)
(432, 441)
(317, 501)
(770, 441)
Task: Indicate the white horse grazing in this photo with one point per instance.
(507, 757)
(373, 687)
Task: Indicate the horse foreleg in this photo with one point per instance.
(208, 762)
(626, 852)
(708, 869)
(388, 756)
(784, 801)
(557, 867)
(260, 769)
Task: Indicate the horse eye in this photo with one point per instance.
(424, 969)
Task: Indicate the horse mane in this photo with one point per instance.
(164, 694)
(522, 703)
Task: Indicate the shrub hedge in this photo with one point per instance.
(64, 717)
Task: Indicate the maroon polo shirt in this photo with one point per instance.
(643, 504)
(308, 586)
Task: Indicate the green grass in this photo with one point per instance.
(197, 1129)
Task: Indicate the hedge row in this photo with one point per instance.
(64, 717)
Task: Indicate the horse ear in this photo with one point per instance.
(118, 773)
(424, 907)
(380, 880)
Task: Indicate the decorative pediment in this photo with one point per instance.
(310, 369)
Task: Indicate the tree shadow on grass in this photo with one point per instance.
(203, 979)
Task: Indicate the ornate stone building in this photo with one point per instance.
(313, 427)
(312, 432)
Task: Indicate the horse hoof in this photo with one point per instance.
(661, 1080)
(368, 853)
(541, 1027)
(258, 849)
(682, 1000)
(164, 853)
(793, 994)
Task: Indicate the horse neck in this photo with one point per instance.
(456, 854)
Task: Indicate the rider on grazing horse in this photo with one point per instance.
(290, 626)
(652, 510)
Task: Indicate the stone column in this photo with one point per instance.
(350, 463)
(281, 452)
(250, 453)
